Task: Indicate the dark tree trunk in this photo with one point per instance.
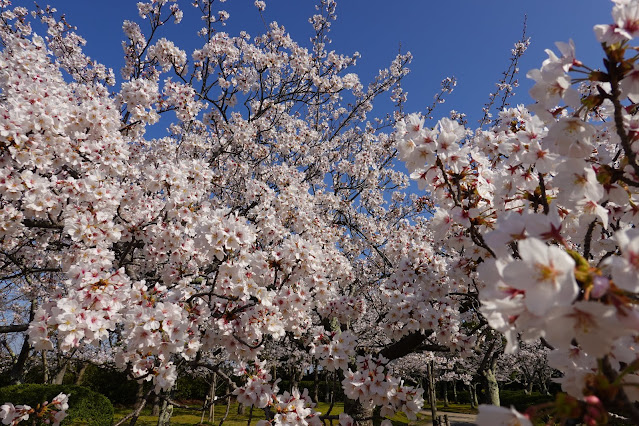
(295, 378)
(455, 398)
(17, 370)
(155, 408)
(363, 416)
(16, 374)
(139, 404)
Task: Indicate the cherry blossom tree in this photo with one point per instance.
(530, 365)
(271, 212)
(542, 206)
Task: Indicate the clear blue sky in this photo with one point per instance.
(470, 39)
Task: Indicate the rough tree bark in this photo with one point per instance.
(487, 372)
(164, 419)
(363, 416)
(491, 386)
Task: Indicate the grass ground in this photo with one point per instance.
(184, 417)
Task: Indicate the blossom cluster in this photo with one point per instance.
(372, 384)
(46, 413)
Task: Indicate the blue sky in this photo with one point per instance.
(470, 39)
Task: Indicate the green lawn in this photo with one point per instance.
(183, 417)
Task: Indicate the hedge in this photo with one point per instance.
(521, 401)
(85, 406)
(111, 383)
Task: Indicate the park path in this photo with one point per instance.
(456, 419)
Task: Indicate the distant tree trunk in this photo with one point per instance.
(212, 392)
(445, 387)
(155, 408)
(295, 378)
(45, 368)
(315, 383)
(455, 397)
(80, 377)
(240, 409)
(432, 396)
(543, 385)
(529, 379)
(472, 389)
(529, 387)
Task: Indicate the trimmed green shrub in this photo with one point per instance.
(85, 406)
(521, 401)
(111, 383)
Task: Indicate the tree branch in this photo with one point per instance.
(14, 328)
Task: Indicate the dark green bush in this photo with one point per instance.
(111, 383)
(463, 396)
(85, 406)
(521, 401)
(191, 387)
